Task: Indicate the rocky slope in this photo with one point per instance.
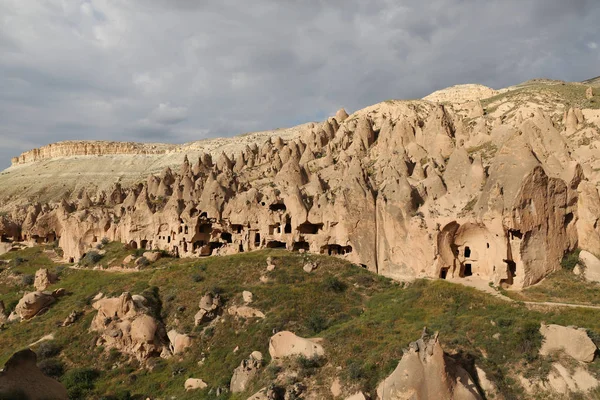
(498, 188)
(281, 325)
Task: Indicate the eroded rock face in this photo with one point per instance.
(574, 342)
(286, 344)
(425, 372)
(33, 303)
(407, 189)
(246, 371)
(21, 378)
(124, 323)
(210, 307)
(179, 342)
(43, 279)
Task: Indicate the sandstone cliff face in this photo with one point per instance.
(405, 188)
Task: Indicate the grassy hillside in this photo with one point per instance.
(365, 320)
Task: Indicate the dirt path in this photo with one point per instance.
(484, 286)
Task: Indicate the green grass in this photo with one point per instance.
(366, 321)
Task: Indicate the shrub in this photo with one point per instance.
(79, 382)
(52, 367)
(139, 252)
(309, 366)
(48, 349)
(570, 260)
(27, 279)
(333, 284)
(91, 258)
(528, 340)
(197, 278)
(142, 262)
(105, 241)
(17, 261)
(316, 323)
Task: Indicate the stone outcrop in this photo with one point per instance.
(21, 378)
(245, 372)
(407, 189)
(591, 266)
(426, 372)
(179, 342)
(43, 279)
(286, 344)
(124, 323)
(31, 304)
(210, 307)
(574, 342)
(195, 384)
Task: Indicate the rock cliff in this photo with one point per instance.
(493, 189)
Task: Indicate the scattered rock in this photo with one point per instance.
(33, 303)
(285, 344)
(194, 384)
(43, 279)
(210, 307)
(356, 396)
(245, 312)
(71, 318)
(179, 342)
(309, 267)
(574, 342)
(589, 93)
(577, 270)
(562, 380)
(245, 372)
(336, 388)
(591, 272)
(21, 375)
(489, 387)
(152, 256)
(129, 259)
(247, 296)
(270, 265)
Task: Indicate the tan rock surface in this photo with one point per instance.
(33, 303)
(21, 374)
(574, 342)
(286, 344)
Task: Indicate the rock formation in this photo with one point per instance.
(574, 342)
(407, 189)
(425, 372)
(124, 323)
(31, 304)
(286, 344)
(43, 279)
(246, 371)
(22, 379)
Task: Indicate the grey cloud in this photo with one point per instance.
(101, 69)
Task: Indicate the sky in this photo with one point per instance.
(177, 71)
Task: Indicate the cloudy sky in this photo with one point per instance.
(183, 70)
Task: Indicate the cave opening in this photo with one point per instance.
(443, 273)
(226, 236)
(302, 245)
(467, 252)
(468, 271)
(276, 244)
(278, 207)
(309, 229)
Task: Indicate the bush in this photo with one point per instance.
(316, 323)
(79, 382)
(197, 278)
(333, 284)
(139, 252)
(309, 366)
(570, 260)
(142, 262)
(528, 340)
(48, 349)
(27, 279)
(105, 241)
(17, 261)
(91, 258)
(52, 367)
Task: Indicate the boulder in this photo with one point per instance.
(210, 306)
(589, 93)
(426, 372)
(245, 312)
(33, 303)
(573, 341)
(356, 396)
(71, 318)
(129, 259)
(286, 344)
(194, 384)
(247, 296)
(309, 267)
(21, 375)
(245, 372)
(591, 270)
(152, 256)
(126, 325)
(43, 279)
(179, 342)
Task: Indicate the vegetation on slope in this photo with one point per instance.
(366, 320)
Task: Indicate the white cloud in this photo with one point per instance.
(592, 45)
